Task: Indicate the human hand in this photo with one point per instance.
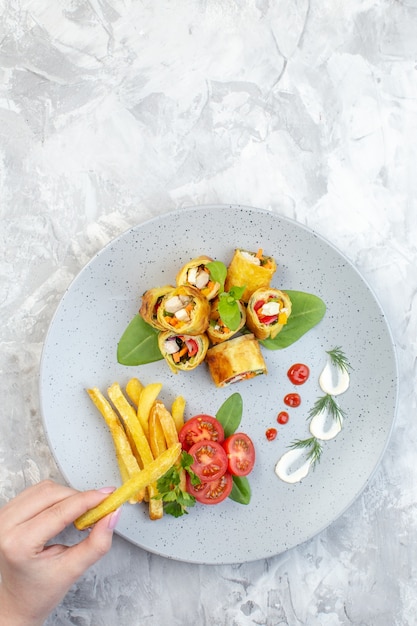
(35, 576)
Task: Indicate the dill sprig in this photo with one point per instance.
(313, 444)
(327, 403)
(339, 359)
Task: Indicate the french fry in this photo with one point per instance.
(177, 412)
(128, 465)
(134, 389)
(160, 413)
(150, 474)
(167, 422)
(140, 441)
(156, 435)
(147, 398)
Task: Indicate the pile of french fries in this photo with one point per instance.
(145, 438)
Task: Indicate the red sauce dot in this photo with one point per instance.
(283, 417)
(298, 373)
(292, 399)
(271, 433)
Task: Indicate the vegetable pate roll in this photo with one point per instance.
(151, 300)
(183, 352)
(250, 269)
(267, 312)
(234, 360)
(196, 274)
(218, 331)
(184, 310)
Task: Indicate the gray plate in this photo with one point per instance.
(80, 352)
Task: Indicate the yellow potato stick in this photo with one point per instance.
(134, 389)
(160, 413)
(156, 507)
(167, 422)
(138, 497)
(147, 398)
(128, 465)
(131, 423)
(133, 426)
(150, 474)
(156, 435)
(177, 412)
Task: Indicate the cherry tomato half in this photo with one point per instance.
(213, 492)
(210, 460)
(240, 453)
(200, 428)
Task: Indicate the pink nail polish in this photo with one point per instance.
(113, 519)
(106, 489)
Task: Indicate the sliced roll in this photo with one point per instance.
(151, 300)
(184, 310)
(196, 274)
(235, 360)
(251, 270)
(217, 330)
(267, 312)
(183, 352)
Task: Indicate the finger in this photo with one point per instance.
(80, 557)
(32, 501)
(50, 522)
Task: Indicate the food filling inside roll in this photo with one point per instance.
(180, 347)
(270, 311)
(178, 309)
(257, 258)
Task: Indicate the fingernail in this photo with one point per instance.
(114, 518)
(106, 489)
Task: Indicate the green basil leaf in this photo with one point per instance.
(230, 414)
(138, 344)
(237, 292)
(241, 491)
(307, 311)
(218, 272)
(229, 311)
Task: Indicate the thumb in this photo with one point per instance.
(98, 542)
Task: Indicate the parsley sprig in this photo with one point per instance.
(176, 500)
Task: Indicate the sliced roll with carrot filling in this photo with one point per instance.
(183, 352)
(250, 269)
(196, 274)
(267, 312)
(238, 359)
(151, 300)
(184, 310)
(218, 331)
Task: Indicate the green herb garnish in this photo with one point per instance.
(339, 359)
(218, 272)
(307, 310)
(314, 448)
(174, 498)
(230, 414)
(228, 307)
(328, 403)
(241, 491)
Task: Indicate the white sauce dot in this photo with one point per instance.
(283, 467)
(324, 426)
(334, 380)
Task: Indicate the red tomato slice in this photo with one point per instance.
(213, 492)
(210, 460)
(240, 453)
(200, 428)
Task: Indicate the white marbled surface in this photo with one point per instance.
(114, 112)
